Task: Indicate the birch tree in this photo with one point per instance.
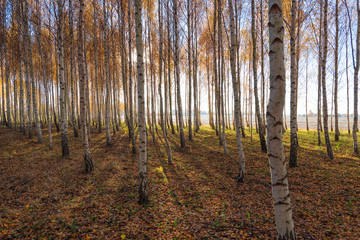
(44, 75)
(89, 166)
(143, 193)
(177, 74)
(279, 180)
(21, 89)
(61, 75)
(235, 82)
(356, 80)
(293, 96)
(323, 81)
(257, 108)
(107, 77)
(32, 77)
(71, 38)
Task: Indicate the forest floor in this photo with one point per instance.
(46, 196)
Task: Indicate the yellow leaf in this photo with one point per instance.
(122, 236)
(160, 169)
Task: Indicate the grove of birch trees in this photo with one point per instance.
(147, 69)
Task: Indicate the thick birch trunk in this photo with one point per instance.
(279, 181)
(143, 195)
(89, 166)
(64, 138)
(241, 175)
(107, 77)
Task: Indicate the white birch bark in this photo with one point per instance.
(356, 84)
(89, 166)
(107, 77)
(143, 194)
(177, 74)
(256, 97)
(323, 81)
(63, 115)
(293, 95)
(279, 178)
(241, 175)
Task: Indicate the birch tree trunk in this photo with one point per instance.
(189, 33)
(71, 38)
(306, 90)
(241, 175)
(28, 87)
(262, 66)
(28, 95)
(319, 76)
(6, 58)
(32, 77)
(114, 77)
(150, 94)
(21, 100)
(279, 180)
(216, 80)
(87, 91)
(96, 70)
(15, 88)
(64, 139)
(7, 85)
(43, 67)
(3, 90)
(347, 80)
(131, 118)
(356, 85)
(107, 77)
(143, 194)
(177, 72)
(161, 60)
(257, 108)
(195, 70)
(323, 80)
(238, 41)
(169, 65)
(221, 78)
(89, 166)
(293, 96)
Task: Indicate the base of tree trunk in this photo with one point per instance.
(89, 166)
(65, 146)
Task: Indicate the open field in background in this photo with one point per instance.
(343, 124)
(45, 196)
